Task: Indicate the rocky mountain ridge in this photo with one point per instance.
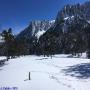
(67, 34)
(36, 29)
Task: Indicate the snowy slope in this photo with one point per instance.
(1, 39)
(46, 73)
(39, 33)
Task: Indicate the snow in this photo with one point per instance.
(88, 21)
(52, 21)
(70, 17)
(46, 73)
(40, 33)
(40, 27)
(66, 18)
(43, 29)
(1, 39)
(2, 57)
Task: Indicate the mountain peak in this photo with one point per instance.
(36, 28)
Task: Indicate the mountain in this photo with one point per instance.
(29, 37)
(36, 29)
(72, 14)
(69, 33)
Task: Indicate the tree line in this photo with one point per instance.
(52, 42)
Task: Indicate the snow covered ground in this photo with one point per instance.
(58, 73)
(2, 57)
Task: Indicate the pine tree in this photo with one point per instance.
(9, 42)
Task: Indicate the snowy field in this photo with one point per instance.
(2, 57)
(59, 73)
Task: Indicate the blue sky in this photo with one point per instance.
(17, 14)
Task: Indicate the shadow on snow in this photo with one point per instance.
(80, 71)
